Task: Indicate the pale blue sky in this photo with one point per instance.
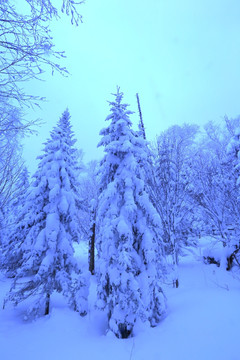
(182, 57)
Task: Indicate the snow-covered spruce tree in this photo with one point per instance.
(50, 227)
(129, 255)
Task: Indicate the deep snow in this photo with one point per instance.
(202, 322)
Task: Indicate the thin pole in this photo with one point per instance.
(141, 125)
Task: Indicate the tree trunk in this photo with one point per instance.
(176, 283)
(91, 247)
(91, 254)
(175, 267)
(230, 262)
(141, 125)
(47, 304)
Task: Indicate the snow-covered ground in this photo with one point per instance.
(202, 323)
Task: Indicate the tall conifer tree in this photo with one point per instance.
(50, 227)
(128, 226)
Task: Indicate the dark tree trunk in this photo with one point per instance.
(47, 304)
(141, 124)
(91, 249)
(176, 283)
(230, 262)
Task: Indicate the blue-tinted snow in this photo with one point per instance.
(203, 322)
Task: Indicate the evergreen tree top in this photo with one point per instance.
(118, 137)
(60, 143)
(119, 116)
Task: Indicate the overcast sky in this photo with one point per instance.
(181, 56)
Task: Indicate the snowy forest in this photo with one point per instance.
(142, 245)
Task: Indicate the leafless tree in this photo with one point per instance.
(26, 51)
(26, 45)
